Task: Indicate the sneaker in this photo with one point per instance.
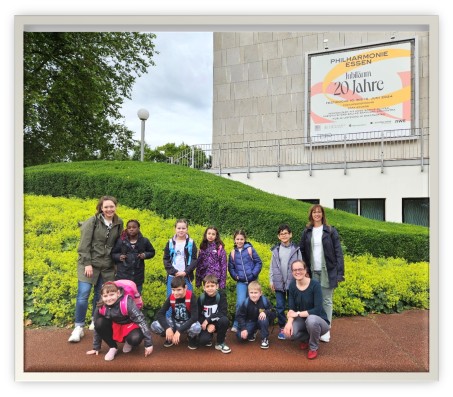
(223, 348)
(91, 327)
(76, 334)
(312, 354)
(168, 343)
(281, 335)
(264, 343)
(325, 337)
(303, 345)
(234, 329)
(252, 338)
(192, 344)
(127, 347)
(209, 344)
(111, 354)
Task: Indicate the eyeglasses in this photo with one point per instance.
(300, 270)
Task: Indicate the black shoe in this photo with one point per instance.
(264, 343)
(168, 343)
(193, 344)
(252, 338)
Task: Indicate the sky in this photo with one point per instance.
(12, 182)
(177, 91)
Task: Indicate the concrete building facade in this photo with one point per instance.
(261, 136)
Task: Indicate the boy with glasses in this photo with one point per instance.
(283, 254)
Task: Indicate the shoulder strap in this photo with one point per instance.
(232, 254)
(123, 305)
(202, 296)
(187, 300)
(249, 249)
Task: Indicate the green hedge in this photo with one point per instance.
(174, 191)
(51, 236)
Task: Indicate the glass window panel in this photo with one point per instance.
(348, 205)
(373, 209)
(416, 211)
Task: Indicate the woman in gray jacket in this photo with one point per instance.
(95, 265)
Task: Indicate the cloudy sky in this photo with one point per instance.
(177, 92)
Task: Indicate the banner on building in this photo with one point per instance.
(361, 90)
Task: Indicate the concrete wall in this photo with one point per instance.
(259, 80)
(360, 183)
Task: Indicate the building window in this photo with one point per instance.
(368, 208)
(309, 201)
(373, 209)
(416, 211)
(348, 205)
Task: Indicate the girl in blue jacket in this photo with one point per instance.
(244, 266)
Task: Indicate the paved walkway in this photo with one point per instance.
(375, 345)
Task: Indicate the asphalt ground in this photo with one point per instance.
(376, 345)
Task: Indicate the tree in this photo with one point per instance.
(74, 86)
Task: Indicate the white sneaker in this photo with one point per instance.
(325, 337)
(127, 347)
(76, 335)
(110, 354)
(91, 327)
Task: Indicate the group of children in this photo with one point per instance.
(117, 318)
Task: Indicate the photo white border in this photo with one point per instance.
(232, 23)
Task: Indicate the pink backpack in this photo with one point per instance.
(129, 288)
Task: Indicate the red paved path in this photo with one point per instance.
(396, 343)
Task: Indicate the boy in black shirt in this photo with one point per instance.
(184, 315)
(212, 314)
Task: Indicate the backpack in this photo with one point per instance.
(249, 250)
(265, 301)
(187, 300)
(129, 289)
(171, 248)
(203, 296)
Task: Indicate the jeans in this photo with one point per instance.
(83, 293)
(309, 328)
(193, 331)
(280, 307)
(189, 287)
(253, 326)
(327, 298)
(241, 296)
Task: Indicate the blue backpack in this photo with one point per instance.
(171, 248)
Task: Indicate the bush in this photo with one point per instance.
(51, 236)
(174, 191)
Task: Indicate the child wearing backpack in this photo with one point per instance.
(280, 275)
(180, 256)
(117, 319)
(130, 252)
(182, 304)
(255, 314)
(213, 314)
(211, 258)
(244, 266)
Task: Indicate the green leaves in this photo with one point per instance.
(74, 86)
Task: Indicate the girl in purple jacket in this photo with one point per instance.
(212, 258)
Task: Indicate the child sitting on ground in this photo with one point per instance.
(256, 313)
(213, 314)
(184, 315)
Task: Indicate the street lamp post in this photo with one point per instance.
(143, 115)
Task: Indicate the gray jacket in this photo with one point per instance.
(275, 272)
